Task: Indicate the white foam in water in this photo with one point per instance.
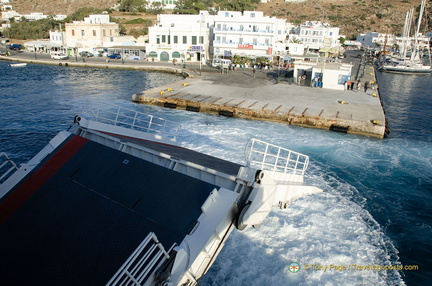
(324, 230)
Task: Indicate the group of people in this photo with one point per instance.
(349, 85)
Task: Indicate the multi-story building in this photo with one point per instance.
(166, 4)
(7, 14)
(94, 31)
(57, 38)
(374, 39)
(248, 34)
(317, 35)
(180, 37)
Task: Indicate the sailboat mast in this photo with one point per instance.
(415, 53)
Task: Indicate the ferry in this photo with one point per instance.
(114, 200)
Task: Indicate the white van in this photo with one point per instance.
(59, 56)
(221, 63)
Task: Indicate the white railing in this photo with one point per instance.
(3, 168)
(266, 156)
(128, 118)
(139, 267)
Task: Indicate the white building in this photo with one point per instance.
(180, 37)
(6, 15)
(317, 35)
(59, 17)
(35, 16)
(167, 4)
(248, 34)
(407, 44)
(57, 37)
(6, 7)
(324, 75)
(374, 39)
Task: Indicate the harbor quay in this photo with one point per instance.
(244, 94)
(259, 95)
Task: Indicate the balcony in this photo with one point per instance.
(258, 31)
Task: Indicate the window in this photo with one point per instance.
(104, 32)
(194, 40)
(73, 33)
(218, 26)
(94, 33)
(252, 15)
(241, 27)
(226, 14)
(267, 42)
(184, 40)
(82, 33)
(158, 39)
(175, 39)
(163, 39)
(201, 39)
(224, 27)
(240, 40)
(342, 79)
(255, 41)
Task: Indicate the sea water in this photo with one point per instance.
(373, 217)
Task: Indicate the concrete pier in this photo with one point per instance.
(241, 94)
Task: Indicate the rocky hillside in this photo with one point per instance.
(58, 6)
(352, 16)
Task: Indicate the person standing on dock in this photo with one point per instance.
(366, 86)
(253, 71)
(358, 86)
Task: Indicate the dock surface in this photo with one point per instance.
(241, 93)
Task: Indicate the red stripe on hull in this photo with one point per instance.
(12, 203)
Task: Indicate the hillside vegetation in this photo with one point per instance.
(351, 16)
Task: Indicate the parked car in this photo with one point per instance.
(114, 56)
(59, 56)
(86, 54)
(16, 47)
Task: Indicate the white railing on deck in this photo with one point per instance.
(128, 118)
(139, 267)
(5, 169)
(270, 157)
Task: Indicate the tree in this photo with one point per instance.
(132, 5)
(32, 30)
(190, 6)
(155, 8)
(237, 5)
